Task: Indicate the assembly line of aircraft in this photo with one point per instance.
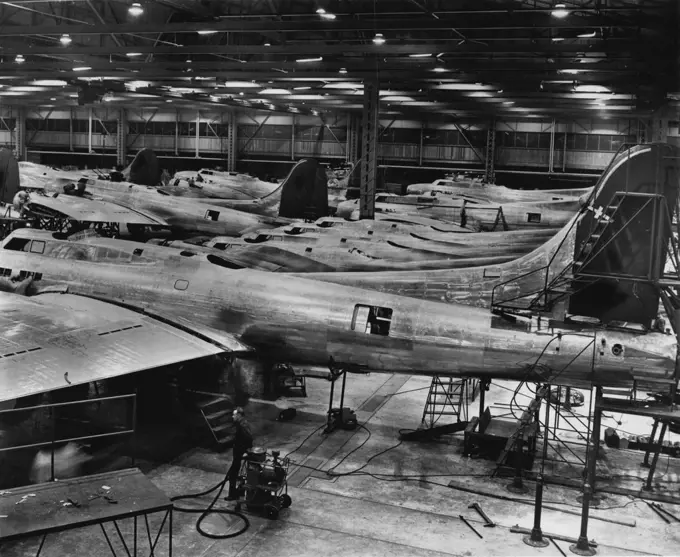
(408, 292)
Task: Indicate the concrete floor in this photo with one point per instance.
(358, 514)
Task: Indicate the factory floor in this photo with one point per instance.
(371, 515)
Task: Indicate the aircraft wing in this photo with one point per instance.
(90, 210)
(51, 341)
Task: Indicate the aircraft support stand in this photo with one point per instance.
(339, 417)
(582, 546)
(536, 539)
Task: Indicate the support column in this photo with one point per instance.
(420, 146)
(70, 130)
(490, 155)
(89, 130)
(660, 125)
(352, 151)
(369, 150)
(121, 138)
(292, 139)
(231, 143)
(582, 546)
(176, 132)
(198, 134)
(551, 158)
(20, 134)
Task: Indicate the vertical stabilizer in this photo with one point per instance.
(144, 169)
(622, 240)
(304, 192)
(9, 176)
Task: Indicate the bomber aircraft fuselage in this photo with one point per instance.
(304, 322)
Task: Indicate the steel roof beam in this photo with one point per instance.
(259, 24)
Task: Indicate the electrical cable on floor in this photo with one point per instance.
(210, 509)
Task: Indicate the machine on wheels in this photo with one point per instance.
(263, 480)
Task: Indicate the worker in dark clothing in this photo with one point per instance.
(243, 440)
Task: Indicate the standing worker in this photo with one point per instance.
(243, 440)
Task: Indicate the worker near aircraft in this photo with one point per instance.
(243, 440)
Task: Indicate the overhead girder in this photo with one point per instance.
(339, 49)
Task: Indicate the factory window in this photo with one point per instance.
(37, 246)
(181, 284)
(211, 215)
(534, 217)
(17, 244)
(4, 272)
(372, 320)
(308, 250)
(492, 273)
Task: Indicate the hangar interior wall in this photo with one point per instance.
(577, 145)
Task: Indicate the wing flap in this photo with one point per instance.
(56, 340)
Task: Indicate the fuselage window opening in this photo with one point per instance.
(18, 244)
(37, 246)
(372, 320)
(534, 217)
(212, 215)
(181, 284)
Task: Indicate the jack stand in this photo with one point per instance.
(582, 546)
(536, 539)
(517, 485)
(339, 417)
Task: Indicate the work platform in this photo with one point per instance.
(37, 511)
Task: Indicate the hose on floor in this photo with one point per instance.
(211, 510)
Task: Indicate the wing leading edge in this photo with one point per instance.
(53, 341)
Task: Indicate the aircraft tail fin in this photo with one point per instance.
(9, 176)
(622, 239)
(144, 169)
(304, 192)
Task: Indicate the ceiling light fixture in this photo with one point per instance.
(324, 14)
(569, 71)
(439, 69)
(206, 32)
(589, 88)
(240, 92)
(65, 39)
(267, 44)
(557, 39)
(81, 68)
(379, 39)
(188, 60)
(136, 9)
(590, 35)
(342, 70)
(133, 54)
(53, 98)
(424, 55)
(560, 11)
(307, 60)
(19, 59)
(301, 88)
(168, 100)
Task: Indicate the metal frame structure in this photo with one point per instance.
(369, 149)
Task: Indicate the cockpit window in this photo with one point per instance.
(37, 246)
(18, 244)
(222, 262)
(258, 239)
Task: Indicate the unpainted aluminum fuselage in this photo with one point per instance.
(307, 322)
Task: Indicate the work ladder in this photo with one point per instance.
(448, 396)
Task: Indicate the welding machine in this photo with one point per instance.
(263, 479)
